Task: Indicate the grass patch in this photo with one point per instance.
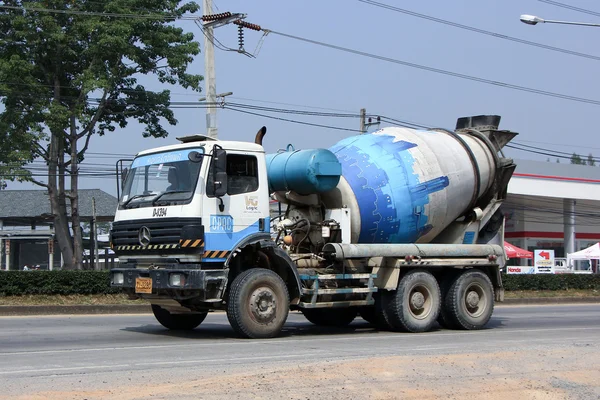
(537, 294)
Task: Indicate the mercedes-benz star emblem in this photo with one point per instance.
(144, 236)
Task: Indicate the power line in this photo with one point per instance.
(561, 144)
(481, 31)
(440, 71)
(538, 152)
(570, 7)
(543, 149)
(292, 121)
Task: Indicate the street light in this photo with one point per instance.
(533, 20)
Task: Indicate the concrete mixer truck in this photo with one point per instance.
(400, 227)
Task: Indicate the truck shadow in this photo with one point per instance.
(294, 327)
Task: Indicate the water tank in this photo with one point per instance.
(303, 171)
(406, 186)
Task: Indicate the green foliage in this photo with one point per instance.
(71, 70)
(17, 283)
(514, 282)
(576, 159)
(579, 160)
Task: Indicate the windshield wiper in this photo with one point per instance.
(154, 200)
(137, 196)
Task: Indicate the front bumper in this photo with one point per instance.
(200, 285)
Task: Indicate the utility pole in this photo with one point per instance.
(363, 116)
(209, 23)
(209, 75)
(96, 264)
(364, 123)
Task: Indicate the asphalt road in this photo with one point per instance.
(528, 352)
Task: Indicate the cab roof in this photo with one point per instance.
(208, 143)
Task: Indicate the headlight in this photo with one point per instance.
(118, 278)
(177, 280)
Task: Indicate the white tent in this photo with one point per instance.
(591, 253)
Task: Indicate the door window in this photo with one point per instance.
(242, 175)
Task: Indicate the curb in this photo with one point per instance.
(551, 300)
(76, 309)
(145, 308)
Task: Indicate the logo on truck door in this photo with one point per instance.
(251, 204)
(221, 223)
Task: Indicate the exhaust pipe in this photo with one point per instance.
(260, 135)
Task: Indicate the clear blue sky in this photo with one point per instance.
(288, 71)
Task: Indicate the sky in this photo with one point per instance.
(292, 74)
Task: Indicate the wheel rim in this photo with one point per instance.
(263, 305)
(420, 302)
(475, 300)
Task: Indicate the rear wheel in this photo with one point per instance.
(258, 303)
(444, 319)
(469, 303)
(330, 316)
(177, 322)
(374, 314)
(415, 305)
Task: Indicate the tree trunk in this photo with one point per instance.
(56, 191)
(61, 227)
(74, 196)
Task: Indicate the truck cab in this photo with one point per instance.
(184, 209)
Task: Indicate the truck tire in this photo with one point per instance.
(339, 317)
(415, 305)
(443, 319)
(258, 304)
(469, 303)
(177, 322)
(374, 314)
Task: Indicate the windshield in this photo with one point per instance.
(162, 178)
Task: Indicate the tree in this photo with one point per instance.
(70, 70)
(590, 160)
(576, 159)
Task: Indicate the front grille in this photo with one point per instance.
(163, 231)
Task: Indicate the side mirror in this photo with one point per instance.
(220, 160)
(220, 174)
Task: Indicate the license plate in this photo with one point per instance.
(143, 285)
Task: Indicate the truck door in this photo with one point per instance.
(245, 206)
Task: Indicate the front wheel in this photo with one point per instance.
(469, 303)
(258, 304)
(177, 322)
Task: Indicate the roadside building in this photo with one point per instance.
(27, 234)
(553, 206)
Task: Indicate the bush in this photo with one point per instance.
(550, 282)
(16, 283)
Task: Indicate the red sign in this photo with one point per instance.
(7, 247)
(545, 254)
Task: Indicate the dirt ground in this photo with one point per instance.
(571, 372)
